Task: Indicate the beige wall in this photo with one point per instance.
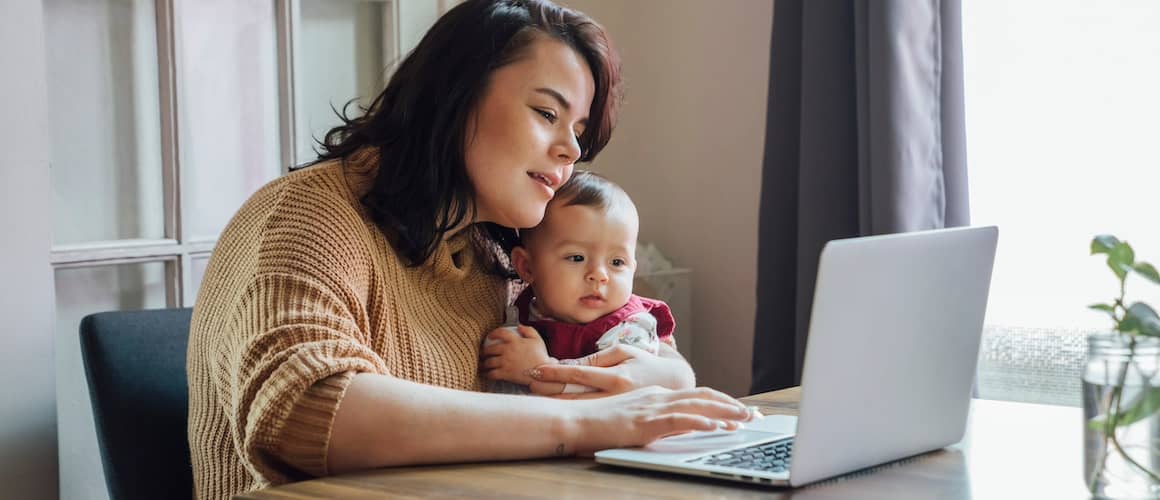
(27, 395)
(689, 150)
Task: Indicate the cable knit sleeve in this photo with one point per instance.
(303, 292)
(295, 349)
(305, 439)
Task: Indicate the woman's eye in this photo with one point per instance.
(575, 258)
(547, 115)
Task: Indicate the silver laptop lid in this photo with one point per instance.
(893, 342)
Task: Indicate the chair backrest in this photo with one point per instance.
(135, 365)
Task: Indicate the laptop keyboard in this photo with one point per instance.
(766, 457)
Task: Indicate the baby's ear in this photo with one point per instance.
(522, 261)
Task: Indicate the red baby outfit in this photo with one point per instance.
(571, 341)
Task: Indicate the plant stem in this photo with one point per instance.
(1113, 402)
(1102, 461)
(1115, 417)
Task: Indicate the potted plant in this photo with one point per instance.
(1121, 385)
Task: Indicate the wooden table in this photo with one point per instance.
(1012, 450)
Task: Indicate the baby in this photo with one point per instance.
(579, 265)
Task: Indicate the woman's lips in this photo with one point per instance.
(544, 183)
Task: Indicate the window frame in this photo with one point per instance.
(178, 249)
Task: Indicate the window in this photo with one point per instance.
(1062, 103)
(356, 31)
(165, 116)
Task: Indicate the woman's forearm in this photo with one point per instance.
(622, 368)
(385, 421)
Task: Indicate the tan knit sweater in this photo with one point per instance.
(301, 293)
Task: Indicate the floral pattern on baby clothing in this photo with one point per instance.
(638, 330)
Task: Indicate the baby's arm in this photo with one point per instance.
(511, 353)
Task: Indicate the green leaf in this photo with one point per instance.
(1099, 423)
(1104, 243)
(1120, 259)
(1105, 308)
(1143, 319)
(1129, 325)
(1146, 270)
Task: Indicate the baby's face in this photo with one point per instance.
(581, 261)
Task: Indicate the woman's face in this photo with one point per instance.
(522, 136)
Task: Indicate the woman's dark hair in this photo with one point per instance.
(419, 122)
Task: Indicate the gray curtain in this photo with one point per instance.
(865, 136)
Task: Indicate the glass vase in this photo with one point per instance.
(1121, 398)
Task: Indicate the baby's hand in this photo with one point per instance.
(510, 353)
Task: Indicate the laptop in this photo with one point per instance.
(890, 360)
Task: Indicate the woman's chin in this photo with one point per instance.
(527, 220)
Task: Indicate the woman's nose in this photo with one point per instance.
(567, 149)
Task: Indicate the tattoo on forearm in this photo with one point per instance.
(560, 450)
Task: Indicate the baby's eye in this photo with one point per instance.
(575, 258)
(618, 262)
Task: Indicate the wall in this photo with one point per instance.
(415, 18)
(689, 150)
(342, 43)
(28, 464)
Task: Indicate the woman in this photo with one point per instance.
(339, 321)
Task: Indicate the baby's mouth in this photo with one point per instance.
(593, 299)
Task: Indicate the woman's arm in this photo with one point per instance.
(621, 368)
(682, 372)
(386, 421)
(512, 356)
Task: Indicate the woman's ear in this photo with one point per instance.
(522, 261)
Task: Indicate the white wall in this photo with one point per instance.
(27, 398)
(415, 18)
(101, 64)
(689, 150)
(342, 44)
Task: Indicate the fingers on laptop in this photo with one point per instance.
(707, 393)
(699, 409)
(677, 423)
(711, 409)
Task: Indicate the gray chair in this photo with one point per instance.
(135, 365)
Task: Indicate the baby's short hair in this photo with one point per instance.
(590, 189)
(587, 189)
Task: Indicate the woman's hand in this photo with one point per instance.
(511, 355)
(642, 416)
(618, 369)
